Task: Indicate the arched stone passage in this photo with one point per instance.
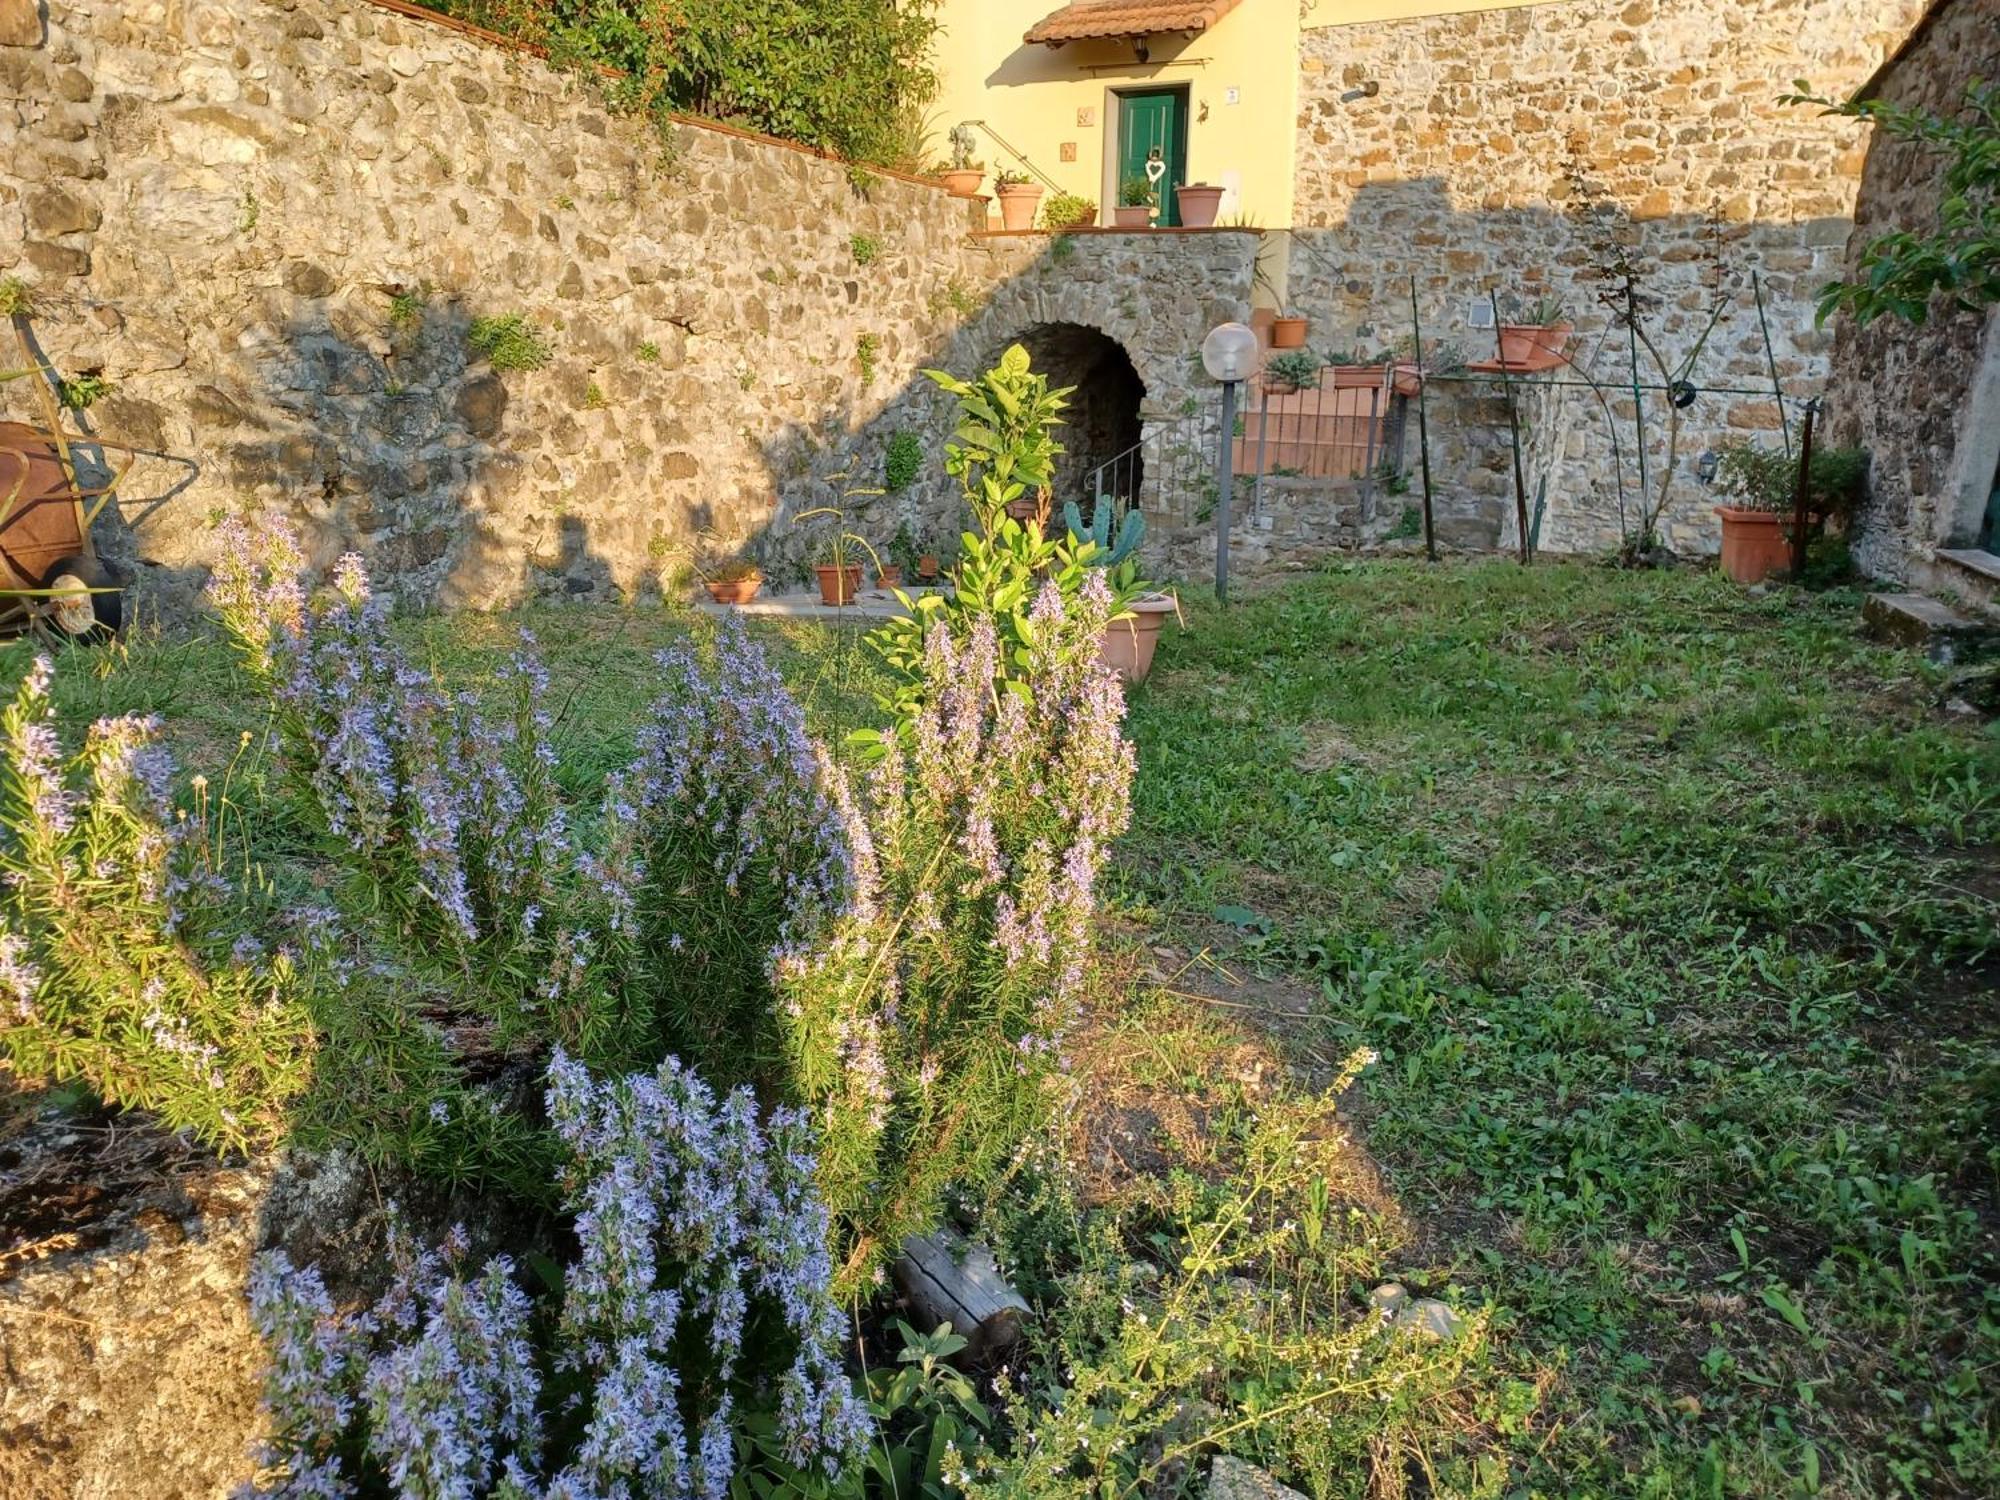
(1103, 417)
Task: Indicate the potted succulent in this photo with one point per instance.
(1136, 201)
(962, 178)
(1763, 484)
(1294, 370)
(1133, 635)
(1288, 331)
(1133, 631)
(1538, 341)
(1019, 197)
(1199, 203)
(734, 582)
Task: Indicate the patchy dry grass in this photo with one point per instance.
(1672, 913)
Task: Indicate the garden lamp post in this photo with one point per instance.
(1229, 354)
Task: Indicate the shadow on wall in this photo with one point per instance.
(1354, 280)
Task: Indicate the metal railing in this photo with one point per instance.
(1166, 473)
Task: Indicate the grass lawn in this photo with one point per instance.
(1672, 915)
(1670, 912)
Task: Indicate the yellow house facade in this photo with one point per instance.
(1081, 97)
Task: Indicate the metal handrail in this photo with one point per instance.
(1015, 151)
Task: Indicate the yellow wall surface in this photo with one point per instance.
(1242, 78)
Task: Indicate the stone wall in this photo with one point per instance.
(272, 224)
(1924, 401)
(1454, 172)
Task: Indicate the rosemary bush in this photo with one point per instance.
(130, 958)
(698, 1297)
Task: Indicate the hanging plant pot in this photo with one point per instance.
(1360, 377)
(1406, 380)
(1289, 333)
(1128, 642)
(1533, 346)
(735, 590)
(1027, 508)
(838, 585)
(1754, 543)
(1018, 202)
(963, 182)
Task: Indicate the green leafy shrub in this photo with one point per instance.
(509, 342)
(1136, 192)
(1763, 478)
(130, 957)
(865, 248)
(1069, 211)
(901, 460)
(867, 349)
(843, 75)
(80, 392)
(1002, 448)
(1297, 368)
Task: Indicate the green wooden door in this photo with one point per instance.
(1152, 126)
(1989, 532)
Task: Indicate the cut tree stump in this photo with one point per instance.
(948, 1279)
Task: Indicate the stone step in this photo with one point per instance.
(1923, 623)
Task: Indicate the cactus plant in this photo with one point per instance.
(1109, 553)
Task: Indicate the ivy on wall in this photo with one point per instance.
(850, 76)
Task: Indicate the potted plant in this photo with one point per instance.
(1288, 331)
(1019, 197)
(928, 563)
(1136, 201)
(1294, 370)
(1132, 635)
(905, 561)
(734, 582)
(1538, 341)
(1199, 203)
(1763, 483)
(962, 178)
(1069, 211)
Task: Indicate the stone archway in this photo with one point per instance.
(1103, 420)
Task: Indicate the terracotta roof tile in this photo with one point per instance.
(1100, 18)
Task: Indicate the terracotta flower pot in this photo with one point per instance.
(1128, 644)
(1135, 216)
(963, 182)
(1025, 509)
(1018, 201)
(889, 575)
(735, 590)
(1360, 377)
(927, 567)
(1406, 379)
(838, 585)
(1289, 333)
(1754, 543)
(1533, 346)
(1199, 204)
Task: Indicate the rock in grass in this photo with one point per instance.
(1233, 1479)
(1389, 1299)
(1431, 1318)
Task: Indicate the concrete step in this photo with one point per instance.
(1923, 623)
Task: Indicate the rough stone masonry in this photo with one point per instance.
(272, 224)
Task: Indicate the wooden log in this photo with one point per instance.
(948, 1279)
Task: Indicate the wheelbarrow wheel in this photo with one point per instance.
(82, 614)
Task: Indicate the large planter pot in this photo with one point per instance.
(1533, 346)
(1289, 333)
(1139, 216)
(735, 590)
(1754, 543)
(1357, 377)
(1128, 643)
(838, 585)
(1199, 204)
(963, 182)
(1018, 201)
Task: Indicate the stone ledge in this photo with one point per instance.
(1923, 623)
(1973, 560)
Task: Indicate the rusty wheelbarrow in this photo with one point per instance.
(50, 573)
